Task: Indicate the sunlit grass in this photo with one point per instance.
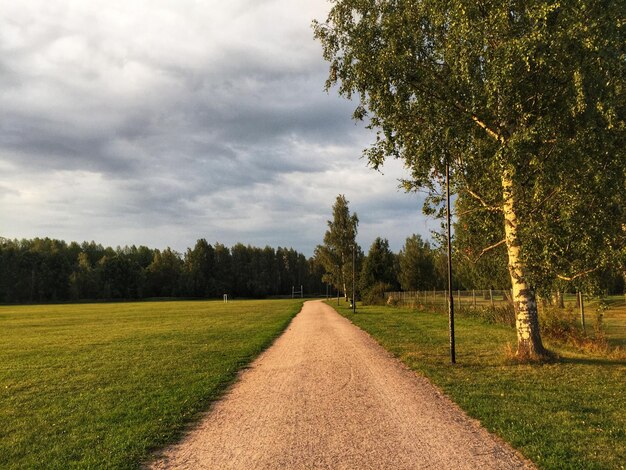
(614, 320)
(568, 414)
(102, 385)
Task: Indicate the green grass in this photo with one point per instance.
(102, 385)
(615, 321)
(613, 310)
(566, 415)
(615, 327)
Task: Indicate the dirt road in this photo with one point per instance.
(327, 396)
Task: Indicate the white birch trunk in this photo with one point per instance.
(343, 277)
(557, 300)
(529, 343)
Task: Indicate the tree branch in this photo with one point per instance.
(481, 200)
(546, 199)
(576, 276)
(475, 195)
(490, 132)
(459, 107)
(489, 248)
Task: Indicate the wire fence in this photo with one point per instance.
(561, 315)
(492, 298)
(438, 299)
(497, 305)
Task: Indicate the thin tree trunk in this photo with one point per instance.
(529, 343)
(557, 299)
(343, 280)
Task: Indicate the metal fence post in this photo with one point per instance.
(582, 310)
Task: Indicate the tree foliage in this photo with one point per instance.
(335, 255)
(524, 100)
(480, 257)
(417, 266)
(378, 271)
(45, 270)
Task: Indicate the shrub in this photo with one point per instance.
(563, 325)
(375, 295)
(504, 314)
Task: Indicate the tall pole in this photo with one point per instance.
(450, 296)
(353, 278)
(581, 304)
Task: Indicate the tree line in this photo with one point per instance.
(354, 274)
(48, 270)
(422, 265)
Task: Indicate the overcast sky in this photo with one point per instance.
(160, 122)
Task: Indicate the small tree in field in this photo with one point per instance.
(378, 271)
(417, 265)
(525, 102)
(335, 255)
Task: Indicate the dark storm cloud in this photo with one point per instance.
(241, 129)
(39, 144)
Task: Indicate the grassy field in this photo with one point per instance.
(615, 327)
(101, 385)
(565, 415)
(615, 321)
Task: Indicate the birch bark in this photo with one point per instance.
(529, 344)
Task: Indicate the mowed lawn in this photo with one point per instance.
(102, 385)
(567, 415)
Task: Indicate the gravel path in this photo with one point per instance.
(327, 396)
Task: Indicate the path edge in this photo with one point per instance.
(157, 452)
(475, 422)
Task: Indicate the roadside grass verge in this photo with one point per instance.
(103, 385)
(565, 415)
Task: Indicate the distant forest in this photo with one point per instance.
(47, 270)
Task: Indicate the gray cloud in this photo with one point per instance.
(161, 122)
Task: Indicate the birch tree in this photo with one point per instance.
(519, 97)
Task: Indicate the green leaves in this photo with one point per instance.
(534, 88)
(524, 99)
(335, 255)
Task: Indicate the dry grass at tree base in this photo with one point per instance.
(604, 332)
